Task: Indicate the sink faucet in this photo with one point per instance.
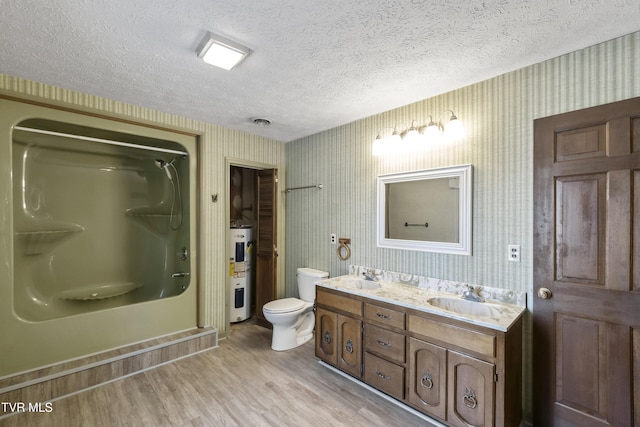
(470, 294)
(370, 275)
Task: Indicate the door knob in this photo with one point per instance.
(544, 293)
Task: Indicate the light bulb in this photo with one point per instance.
(432, 132)
(454, 129)
(379, 146)
(395, 138)
(412, 140)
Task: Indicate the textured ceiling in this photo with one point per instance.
(315, 64)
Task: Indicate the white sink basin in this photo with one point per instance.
(358, 284)
(461, 306)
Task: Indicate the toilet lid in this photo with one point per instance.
(284, 305)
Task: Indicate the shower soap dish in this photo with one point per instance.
(98, 292)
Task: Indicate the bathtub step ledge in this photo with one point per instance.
(67, 378)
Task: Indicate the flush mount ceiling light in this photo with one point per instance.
(221, 52)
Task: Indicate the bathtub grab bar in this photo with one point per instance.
(102, 141)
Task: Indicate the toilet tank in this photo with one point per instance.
(307, 278)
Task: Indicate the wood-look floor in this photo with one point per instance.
(241, 383)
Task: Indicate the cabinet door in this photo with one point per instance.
(471, 390)
(350, 345)
(428, 377)
(327, 335)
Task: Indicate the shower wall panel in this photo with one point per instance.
(100, 238)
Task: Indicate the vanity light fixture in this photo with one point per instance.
(414, 137)
(221, 52)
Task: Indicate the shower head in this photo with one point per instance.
(162, 164)
(165, 166)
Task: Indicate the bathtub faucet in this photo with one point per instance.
(180, 274)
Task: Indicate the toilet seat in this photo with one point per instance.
(284, 305)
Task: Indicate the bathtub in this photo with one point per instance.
(97, 234)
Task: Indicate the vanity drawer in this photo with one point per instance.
(384, 316)
(385, 343)
(464, 338)
(384, 375)
(338, 302)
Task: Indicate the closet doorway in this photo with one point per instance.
(253, 202)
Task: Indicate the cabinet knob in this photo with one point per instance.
(544, 293)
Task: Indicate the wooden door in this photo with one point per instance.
(586, 307)
(428, 377)
(267, 251)
(350, 345)
(470, 390)
(327, 335)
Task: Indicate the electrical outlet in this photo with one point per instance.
(514, 253)
(334, 238)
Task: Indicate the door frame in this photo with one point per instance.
(247, 164)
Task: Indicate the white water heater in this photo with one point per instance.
(240, 273)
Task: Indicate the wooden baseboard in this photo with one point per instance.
(56, 381)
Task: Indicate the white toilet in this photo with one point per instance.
(293, 319)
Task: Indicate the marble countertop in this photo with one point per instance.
(491, 314)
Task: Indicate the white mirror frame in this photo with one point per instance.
(465, 174)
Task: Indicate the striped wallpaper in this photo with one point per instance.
(498, 115)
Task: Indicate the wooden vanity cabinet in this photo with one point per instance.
(339, 331)
(457, 372)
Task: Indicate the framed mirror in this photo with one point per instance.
(428, 210)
